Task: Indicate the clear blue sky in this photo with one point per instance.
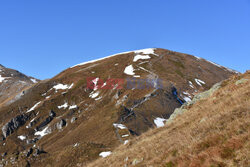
(43, 37)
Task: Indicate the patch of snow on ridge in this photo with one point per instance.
(129, 70)
(2, 78)
(63, 87)
(120, 126)
(33, 80)
(34, 107)
(231, 70)
(44, 132)
(138, 57)
(93, 94)
(159, 122)
(144, 51)
(187, 99)
(191, 84)
(199, 82)
(65, 105)
(105, 154)
(72, 107)
(21, 137)
(127, 135)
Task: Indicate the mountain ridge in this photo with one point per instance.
(62, 114)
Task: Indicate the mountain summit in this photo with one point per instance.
(89, 109)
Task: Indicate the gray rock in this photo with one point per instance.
(241, 81)
(14, 124)
(61, 124)
(73, 119)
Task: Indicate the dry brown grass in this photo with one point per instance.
(213, 132)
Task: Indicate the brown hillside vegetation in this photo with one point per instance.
(212, 132)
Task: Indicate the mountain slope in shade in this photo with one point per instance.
(63, 121)
(12, 84)
(212, 131)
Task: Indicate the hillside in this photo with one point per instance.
(13, 84)
(211, 130)
(96, 106)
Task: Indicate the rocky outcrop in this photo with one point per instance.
(61, 124)
(13, 124)
(196, 98)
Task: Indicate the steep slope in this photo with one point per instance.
(212, 130)
(67, 120)
(12, 84)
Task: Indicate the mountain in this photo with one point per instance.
(96, 106)
(211, 130)
(13, 84)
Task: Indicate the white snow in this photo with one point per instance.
(43, 132)
(21, 137)
(116, 64)
(191, 84)
(2, 78)
(144, 51)
(120, 126)
(95, 81)
(63, 87)
(127, 135)
(138, 57)
(93, 94)
(48, 97)
(99, 98)
(33, 80)
(34, 107)
(76, 145)
(199, 82)
(105, 154)
(187, 99)
(159, 122)
(231, 70)
(126, 142)
(65, 105)
(129, 70)
(72, 107)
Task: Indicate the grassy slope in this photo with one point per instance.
(213, 132)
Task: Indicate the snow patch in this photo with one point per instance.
(191, 84)
(34, 107)
(138, 57)
(33, 80)
(159, 122)
(129, 70)
(199, 82)
(65, 105)
(44, 132)
(21, 137)
(144, 51)
(127, 135)
(93, 94)
(105, 154)
(120, 126)
(187, 99)
(63, 87)
(72, 107)
(126, 142)
(2, 78)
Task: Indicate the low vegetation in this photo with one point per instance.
(212, 132)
